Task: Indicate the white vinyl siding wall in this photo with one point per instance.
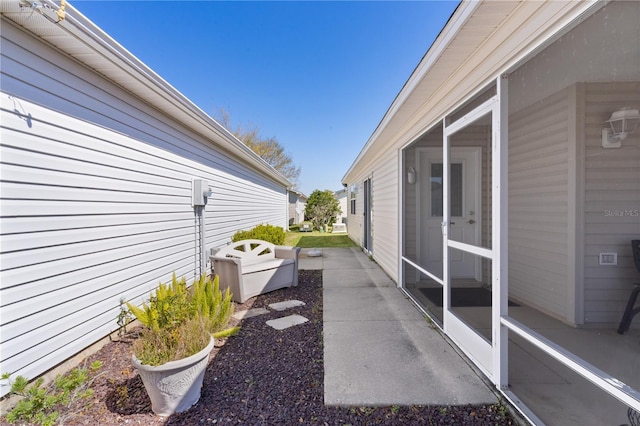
(96, 203)
(612, 204)
(538, 206)
(410, 208)
(385, 214)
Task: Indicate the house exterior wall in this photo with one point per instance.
(96, 202)
(538, 204)
(385, 217)
(410, 210)
(611, 204)
(354, 227)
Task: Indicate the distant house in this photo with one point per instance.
(104, 171)
(297, 205)
(342, 197)
(494, 170)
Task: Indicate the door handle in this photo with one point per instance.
(471, 221)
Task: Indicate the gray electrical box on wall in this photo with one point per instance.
(200, 191)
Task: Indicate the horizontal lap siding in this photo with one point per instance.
(385, 214)
(538, 206)
(612, 183)
(90, 215)
(410, 208)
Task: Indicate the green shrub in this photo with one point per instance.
(270, 233)
(169, 307)
(210, 302)
(179, 321)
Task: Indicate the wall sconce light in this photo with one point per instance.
(411, 175)
(44, 9)
(622, 122)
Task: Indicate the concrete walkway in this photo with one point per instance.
(378, 348)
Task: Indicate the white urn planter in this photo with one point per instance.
(175, 386)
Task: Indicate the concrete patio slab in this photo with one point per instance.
(349, 278)
(396, 362)
(286, 322)
(379, 349)
(368, 304)
(310, 263)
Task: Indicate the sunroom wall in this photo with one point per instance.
(562, 182)
(611, 204)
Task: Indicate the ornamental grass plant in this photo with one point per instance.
(179, 321)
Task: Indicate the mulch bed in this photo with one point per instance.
(261, 376)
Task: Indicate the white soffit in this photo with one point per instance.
(82, 40)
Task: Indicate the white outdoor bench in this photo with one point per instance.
(252, 267)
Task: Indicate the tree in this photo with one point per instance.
(269, 149)
(322, 208)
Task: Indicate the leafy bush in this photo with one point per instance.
(270, 233)
(322, 208)
(179, 321)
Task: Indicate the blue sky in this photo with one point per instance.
(317, 76)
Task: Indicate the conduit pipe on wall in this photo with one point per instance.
(200, 193)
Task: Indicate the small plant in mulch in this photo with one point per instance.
(49, 405)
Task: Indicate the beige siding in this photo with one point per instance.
(611, 205)
(385, 214)
(538, 206)
(410, 222)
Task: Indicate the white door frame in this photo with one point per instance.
(474, 345)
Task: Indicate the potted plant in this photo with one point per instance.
(172, 352)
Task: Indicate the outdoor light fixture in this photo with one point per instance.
(411, 175)
(45, 8)
(622, 122)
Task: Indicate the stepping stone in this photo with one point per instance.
(286, 322)
(249, 313)
(287, 304)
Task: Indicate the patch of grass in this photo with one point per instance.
(317, 239)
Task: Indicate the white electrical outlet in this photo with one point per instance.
(608, 258)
